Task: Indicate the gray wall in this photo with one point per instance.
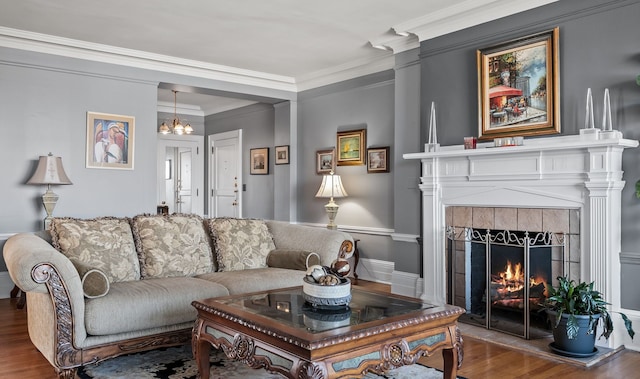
(44, 110)
(282, 172)
(406, 194)
(257, 124)
(368, 103)
(599, 48)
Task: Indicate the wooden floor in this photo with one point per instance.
(20, 360)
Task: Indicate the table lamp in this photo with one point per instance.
(49, 171)
(331, 187)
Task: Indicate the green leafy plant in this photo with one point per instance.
(581, 299)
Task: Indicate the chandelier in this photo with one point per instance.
(176, 127)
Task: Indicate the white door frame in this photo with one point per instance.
(197, 163)
(211, 175)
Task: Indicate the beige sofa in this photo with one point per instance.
(112, 286)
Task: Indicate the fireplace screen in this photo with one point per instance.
(500, 277)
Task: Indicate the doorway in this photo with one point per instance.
(180, 175)
(225, 174)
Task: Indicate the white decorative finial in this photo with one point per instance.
(588, 120)
(590, 131)
(432, 144)
(433, 135)
(606, 112)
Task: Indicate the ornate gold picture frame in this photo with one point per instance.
(518, 84)
(351, 147)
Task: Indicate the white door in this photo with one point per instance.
(183, 184)
(181, 173)
(225, 174)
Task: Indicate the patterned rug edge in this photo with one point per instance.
(177, 363)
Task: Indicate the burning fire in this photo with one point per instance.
(508, 287)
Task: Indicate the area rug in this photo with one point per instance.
(178, 363)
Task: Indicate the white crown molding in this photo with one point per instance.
(181, 109)
(48, 44)
(464, 15)
(344, 72)
(396, 43)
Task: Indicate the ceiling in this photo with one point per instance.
(287, 45)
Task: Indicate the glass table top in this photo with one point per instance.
(289, 308)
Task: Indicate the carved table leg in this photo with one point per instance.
(453, 357)
(202, 351)
(450, 363)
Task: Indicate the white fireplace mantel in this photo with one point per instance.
(570, 172)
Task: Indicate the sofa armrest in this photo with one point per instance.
(328, 244)
(36, 266)
(25, 251)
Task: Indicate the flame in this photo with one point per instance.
(512, 279)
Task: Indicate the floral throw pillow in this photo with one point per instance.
(241, 243)
(175, 245)
(104, 243)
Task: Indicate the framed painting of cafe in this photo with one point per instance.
(518, 87)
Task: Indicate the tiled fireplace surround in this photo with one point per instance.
(546, 175)
(533, 220)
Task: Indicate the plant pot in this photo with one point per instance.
(582, 345)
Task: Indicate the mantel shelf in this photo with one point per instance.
(530, 145)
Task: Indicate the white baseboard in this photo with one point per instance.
(634, 316)
(375, 270)
(6, 285)
(405, 283)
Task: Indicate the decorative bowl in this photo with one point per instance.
(327, 296)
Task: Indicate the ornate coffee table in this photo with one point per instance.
(280, 332)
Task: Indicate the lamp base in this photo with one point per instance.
(49, 200)
(332, 210)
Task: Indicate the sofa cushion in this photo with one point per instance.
(240, 244)
(104, 243)
(253, 280)
(292, 259)
(144, 304)
(175, 245)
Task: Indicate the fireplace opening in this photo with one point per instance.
(500, 277)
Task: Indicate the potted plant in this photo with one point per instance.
(575, 311)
